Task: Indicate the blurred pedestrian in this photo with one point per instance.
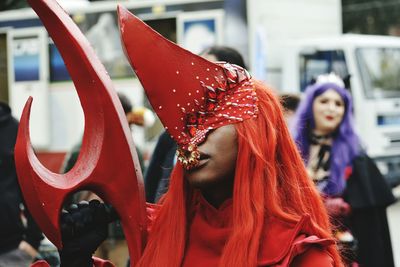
(223, 53)
(133, 116)
(20, 237)
(354, 191)
(289, 102)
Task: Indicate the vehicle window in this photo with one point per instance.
(318, 62)
(380, 71)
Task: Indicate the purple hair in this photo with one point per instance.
(345, 145)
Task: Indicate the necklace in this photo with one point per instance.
(320, 139)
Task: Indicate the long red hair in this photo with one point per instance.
(270, 179)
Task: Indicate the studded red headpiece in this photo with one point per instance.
(190, 94)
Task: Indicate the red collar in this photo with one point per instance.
(280, 236)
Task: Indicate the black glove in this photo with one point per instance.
(84, 227)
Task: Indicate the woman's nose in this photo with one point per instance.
(331, 106)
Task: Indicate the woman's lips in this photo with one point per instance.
(204, 158)
(329, 118)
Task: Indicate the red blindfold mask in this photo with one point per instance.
(190, 94)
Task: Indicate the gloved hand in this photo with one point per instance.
(84, 227)
(336, 207)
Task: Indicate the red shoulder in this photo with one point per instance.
(285, 242)
(313, 257)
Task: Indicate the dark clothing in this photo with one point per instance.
(72, 158)
(368, 195)
(162, 162)
(366, 187)
(12, 228)
(370, 228)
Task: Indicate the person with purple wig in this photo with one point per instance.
(354, 191)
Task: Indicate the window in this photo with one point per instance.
(380, 71)
(317, 62)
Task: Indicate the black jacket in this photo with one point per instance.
(161, 164)
(368, 195)
(366, 186)
(16, 224)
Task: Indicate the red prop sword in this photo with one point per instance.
(107, 164)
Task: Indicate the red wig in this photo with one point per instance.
(270, 180)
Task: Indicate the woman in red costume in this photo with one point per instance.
(244, 204)
(239, 195)
(248, 201)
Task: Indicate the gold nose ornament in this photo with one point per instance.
(188, 158)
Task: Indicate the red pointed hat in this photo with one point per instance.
(190, 94)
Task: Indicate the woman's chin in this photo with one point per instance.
(196, 181)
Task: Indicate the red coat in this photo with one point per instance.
(284, 243)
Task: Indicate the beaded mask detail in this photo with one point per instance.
(233, 100)
(190, 94)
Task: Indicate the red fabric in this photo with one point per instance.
(40, 263)
(208, 234)
(347, 172)
(101, 263)
(313, 257)
(284, 243)
(151, 210)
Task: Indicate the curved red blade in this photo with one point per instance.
(107, 164)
